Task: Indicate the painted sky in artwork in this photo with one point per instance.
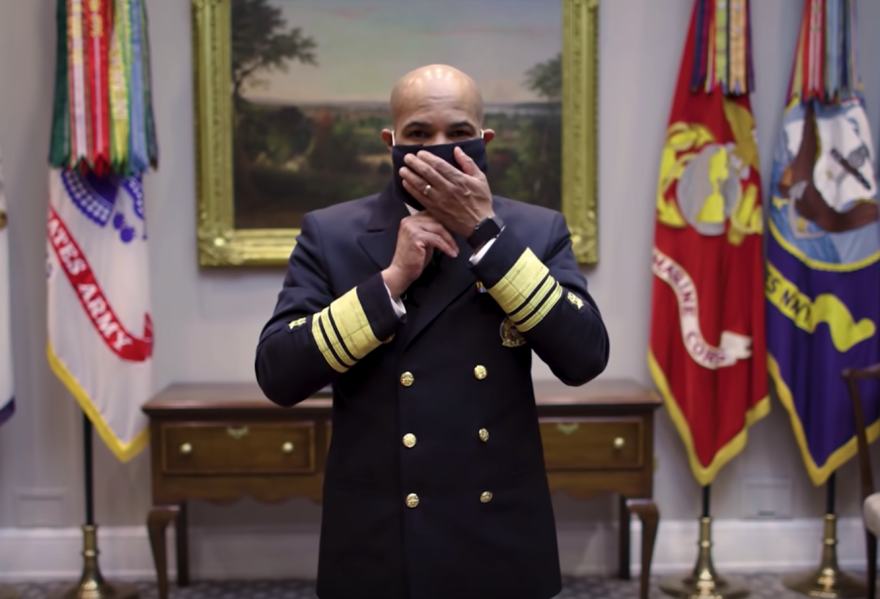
(364, 46)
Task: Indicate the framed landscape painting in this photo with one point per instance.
(291, 96)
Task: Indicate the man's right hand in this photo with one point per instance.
(418, 237)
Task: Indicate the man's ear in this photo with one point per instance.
(488, 135)
(387, 137)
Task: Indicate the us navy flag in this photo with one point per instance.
(823, 250)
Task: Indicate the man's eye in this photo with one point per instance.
(416, 134)
(461, 134)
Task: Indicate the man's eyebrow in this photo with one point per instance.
(421, 124)
(462, 124)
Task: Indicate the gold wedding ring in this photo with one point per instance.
(427, 189)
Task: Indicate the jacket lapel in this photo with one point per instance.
(380, 240)
(453, 278)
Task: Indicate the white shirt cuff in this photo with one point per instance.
(396, 304)
(479, 255)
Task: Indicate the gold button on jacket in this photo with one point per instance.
(409, 440)
(407, 379)
(480, 372)
(412, 500)
(485, 497)
(484, 435)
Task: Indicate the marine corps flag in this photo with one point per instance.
(7, 402)
(707, 351)
(823, 274)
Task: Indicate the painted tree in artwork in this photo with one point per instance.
(545, 79)
(541, 141)
(262, 41)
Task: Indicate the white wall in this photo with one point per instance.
(207, 323)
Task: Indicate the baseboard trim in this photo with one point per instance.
(38, 555)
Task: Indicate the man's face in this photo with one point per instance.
(432, 121)
(433, 114)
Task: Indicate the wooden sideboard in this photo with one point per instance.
(222, 442)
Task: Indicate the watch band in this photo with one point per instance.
(487, 229)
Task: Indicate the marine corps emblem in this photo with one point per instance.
(510, 336)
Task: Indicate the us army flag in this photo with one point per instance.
(707, 351)
(823, 250)
(100, 332)
(7, 389)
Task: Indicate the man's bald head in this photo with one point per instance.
(436, 82)
(436, 104)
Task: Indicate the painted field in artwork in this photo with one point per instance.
(312, 78)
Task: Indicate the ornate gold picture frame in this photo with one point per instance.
(222, 243)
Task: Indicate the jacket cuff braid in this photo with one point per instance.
(355, 324)
(518, 280)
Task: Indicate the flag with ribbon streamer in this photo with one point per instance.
(823, 250)
(7, 387)
(707, 351)
(103, 111)
(103, 141)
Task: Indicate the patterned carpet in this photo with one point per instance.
(763, 586)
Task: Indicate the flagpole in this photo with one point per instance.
(92, 584)
(703, 582)
(828, 580)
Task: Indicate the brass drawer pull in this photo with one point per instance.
(287, 447)
(619, 442)
(186, 449)
(567, 428)
(237, 432)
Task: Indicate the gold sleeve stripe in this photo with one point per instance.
(539, 293)
(542, 310)
(324, 345)
(334, 342)
(332, 322)
(527, 291)
(343, 332)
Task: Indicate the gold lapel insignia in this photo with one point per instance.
(296, 323)
(510, 336)
(578, 302)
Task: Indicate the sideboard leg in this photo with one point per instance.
(157, 523)
(648, 513)
(623, 540)
(182, 537)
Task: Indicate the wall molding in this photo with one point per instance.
(50, 554)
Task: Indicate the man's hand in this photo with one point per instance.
(460, 200)
(418, 237)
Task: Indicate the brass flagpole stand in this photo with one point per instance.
(92, 584)
(828, 580)
(703, 582)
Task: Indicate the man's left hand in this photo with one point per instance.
(458, 199)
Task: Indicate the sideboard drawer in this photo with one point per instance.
(228, 448)
(592, 445)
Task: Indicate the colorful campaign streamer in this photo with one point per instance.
(722, 52)
(103, 111)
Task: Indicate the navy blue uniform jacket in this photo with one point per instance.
(435, 484)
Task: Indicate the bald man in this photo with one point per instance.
(421, 307)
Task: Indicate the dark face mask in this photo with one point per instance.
(475, 148)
